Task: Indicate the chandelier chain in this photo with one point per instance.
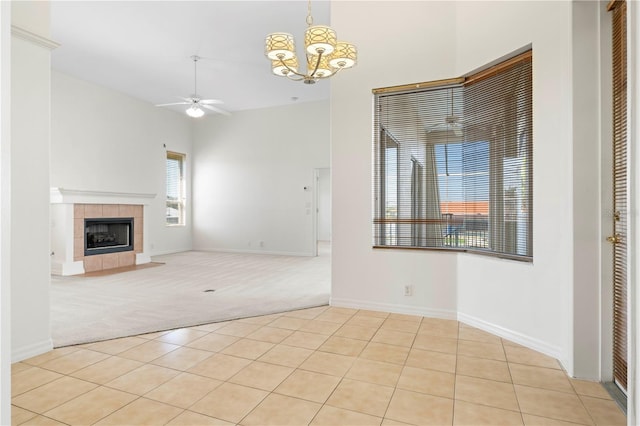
(309, 17)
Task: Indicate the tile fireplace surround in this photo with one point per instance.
(99, 262)
(69, 208)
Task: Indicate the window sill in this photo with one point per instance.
(505, 256)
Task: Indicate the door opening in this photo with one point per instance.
(323, 210)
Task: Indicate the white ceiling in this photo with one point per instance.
(143, 48)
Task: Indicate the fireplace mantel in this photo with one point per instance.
(69, 208)
(77, 196)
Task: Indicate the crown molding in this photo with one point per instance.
(33, 38)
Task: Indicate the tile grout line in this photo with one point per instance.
(504, 351)
(455, 375)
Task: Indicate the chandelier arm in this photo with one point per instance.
(336, 70)
(315, 69)
(291, 70)
(302, 77)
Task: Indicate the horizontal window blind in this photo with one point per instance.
(175, 189)
(620, 182)
(453, 163)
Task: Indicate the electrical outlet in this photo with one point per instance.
(408, 290)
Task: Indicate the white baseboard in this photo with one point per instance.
(67, 268)
(29, 351)
(164, 252)
(393, 308)
(142, 258)
(243, 251)
(514, 336)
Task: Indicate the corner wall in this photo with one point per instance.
(249, 178)
(29, 199)
(530, 303)
(531, 300)
(399, 42)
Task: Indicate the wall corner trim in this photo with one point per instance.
(33, 38)
(514, 336)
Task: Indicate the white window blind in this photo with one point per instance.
(175, 189)
(453, 163)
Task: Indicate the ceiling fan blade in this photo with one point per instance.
(435, 127)
(175, 103)
(218, 110)
(210, 101)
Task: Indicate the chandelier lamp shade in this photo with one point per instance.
(325, 55)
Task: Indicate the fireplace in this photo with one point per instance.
(112, 246)
(108, 235)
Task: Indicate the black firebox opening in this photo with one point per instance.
(109, 235)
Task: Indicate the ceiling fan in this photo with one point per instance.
(451, 122)
(196, 104)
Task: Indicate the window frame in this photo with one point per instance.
(501, 242)
(181, 201)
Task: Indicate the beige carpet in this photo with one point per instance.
(191, 288)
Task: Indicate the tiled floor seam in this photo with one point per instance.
(327, 399)
(593, 419)
(504, 351)
(455, 375)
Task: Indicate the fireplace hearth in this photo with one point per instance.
(108, 235)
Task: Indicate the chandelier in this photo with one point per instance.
(325, 55)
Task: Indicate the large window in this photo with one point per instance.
(453, 163)
(175, 188)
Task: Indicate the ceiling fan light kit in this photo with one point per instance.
(195, 112)
(196, 104)
(324, 53)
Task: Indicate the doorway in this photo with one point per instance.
(323, 211)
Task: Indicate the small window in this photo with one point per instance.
(175, 189)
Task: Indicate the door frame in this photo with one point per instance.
(316, 206)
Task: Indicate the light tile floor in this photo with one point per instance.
(320, 366)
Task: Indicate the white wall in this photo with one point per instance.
(589, 210)
(398, 43)
(5, 213)
(103, 140)
(249, 176)
(531, 299)
(324, 204)
(421, 41)
(30, 133)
